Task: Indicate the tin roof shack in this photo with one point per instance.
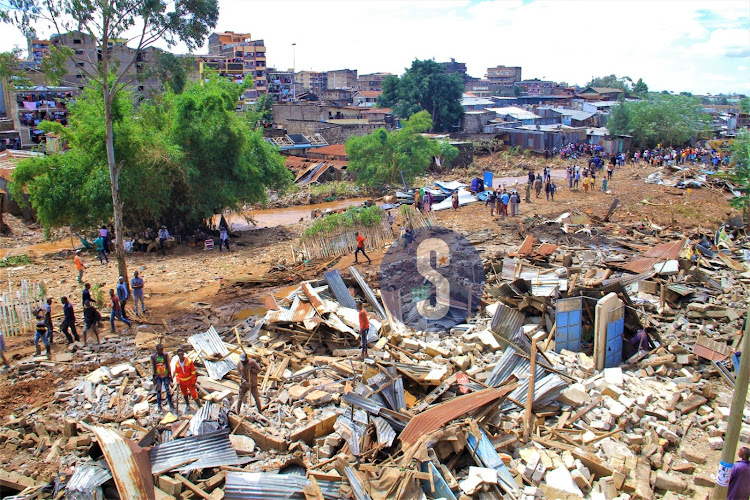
(612, 145)
(570, 117)
(540, 137)
(601, 94)
(473, 103)
(478, 122)
(514, 113)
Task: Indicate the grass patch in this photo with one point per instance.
(15, 260)
(335, 189)
(351, 218)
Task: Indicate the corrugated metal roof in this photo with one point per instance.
(209, 450)
(297, 313)
(385, 432)
(506, 321)
(208, 345)
(545, 250)
(352, 430)
(525, 248)
(642, 265)
(339, 288)
(358, 489)
(132, 473)
(437, 416)
(369, 294)
(269, 486)
(87, 477)
(202, 415)
(317, 302)
(667, 251)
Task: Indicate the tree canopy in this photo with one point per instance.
(624, 83)
(380, 157)
(183, 158)
(659, 118)
(425, 86)
(740, 175)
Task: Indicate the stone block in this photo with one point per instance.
(317, 398)
(664, 481)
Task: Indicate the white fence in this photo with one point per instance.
(18, 307)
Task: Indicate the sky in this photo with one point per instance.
(677, 45)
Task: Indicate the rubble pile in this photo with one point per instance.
(597, 366)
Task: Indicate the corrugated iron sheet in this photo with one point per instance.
(485, 451)
(437, 416)
(270, 302)
(202, 415)
(642, 265)
(297, 313)
(351, 429)
(358, 489)
(269, 486)
(209, 450)
(128, 464)
(317, 302)
(511, 364)
(87, 477)
(667, 251)
(208, 345)
(546, 389)
(339, 289)
(545, 250)
(369, 294)
(384, 431)
(506, 321)
(525, 248)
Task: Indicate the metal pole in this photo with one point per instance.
(735, 417)
(294, 72)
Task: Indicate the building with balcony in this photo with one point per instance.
(312, 81)
(503, 76)
(537, 87)
(371, 82)
(456, 67)
(281, 87)
(38, 49)
(239, 57)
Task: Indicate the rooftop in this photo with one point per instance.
(515, 112)
(333, 149)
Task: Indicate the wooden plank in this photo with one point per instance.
(192, 487)
(577, 415)
(434, 394)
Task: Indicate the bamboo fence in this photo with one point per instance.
(343, 241)
(18, 309)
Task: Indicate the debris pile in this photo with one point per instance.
(596, 367)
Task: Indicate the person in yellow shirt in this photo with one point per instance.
(80, 266)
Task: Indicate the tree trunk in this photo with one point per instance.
(114, 178)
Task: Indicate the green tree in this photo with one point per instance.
(173, 71)
(745, 105)
(10, 69)
(425, 86)
(640, 88)
(517, 90)
(659, 118)
(380, 157)
(740, 175)
(108, 22)
(262, 110)
(612, 81)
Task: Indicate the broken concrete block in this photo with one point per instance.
(317, 398)
(575, 396)
(297, 392)
(693, 455)
(664, 481)
(477, 477)
(562, 480)
(613, 376)
(716, 443)
(701, 479)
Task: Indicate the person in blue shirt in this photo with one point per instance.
(122, 295)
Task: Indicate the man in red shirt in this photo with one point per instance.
(361, 248)
(364, 327)
(186, 376)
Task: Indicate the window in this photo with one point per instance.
(79, 64)
(77, 41)
(79, 75)
(79, 52)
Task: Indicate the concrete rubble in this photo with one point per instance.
(431, 414)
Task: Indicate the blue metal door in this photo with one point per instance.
(615, 327)
(568, 320)
(488, 176)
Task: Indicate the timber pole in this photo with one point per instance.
(731, 438)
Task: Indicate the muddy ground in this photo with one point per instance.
(188, 288)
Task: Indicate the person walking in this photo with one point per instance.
(739, 478)
(552, 189)
(116, 311)
(41, 333)
(186, 377)
(104, 235)
(136, 285)
(122, 295)
(80, 266)
(364, 328)
(538, 185)
(360, 248)
(528, 192)
(514, 200)
(162, 375)
(547, 188)
(48, 319)
(491, 198)
(223, 238)
(249, 370)
(100, 250)
(69, 321)
(454, 199)
(91, 319)
(3, 348)
(163, 236)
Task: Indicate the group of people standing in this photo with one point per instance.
(503, 202)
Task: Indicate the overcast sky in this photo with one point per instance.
(680, 45)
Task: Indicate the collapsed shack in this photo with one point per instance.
(540, 394)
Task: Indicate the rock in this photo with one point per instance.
(701, 479)
(575, 396)
(613, 376)
(716, 443)
(561, 480)
(693, 455)
(664, 481)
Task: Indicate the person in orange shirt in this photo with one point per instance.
(185, 376)
(80, 266)
(364, 327)
(360, 248)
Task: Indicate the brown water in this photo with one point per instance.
(283, 216)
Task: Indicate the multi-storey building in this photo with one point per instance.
(238, 56)
(371, 82)
(455, 67)
(537, 87)
(281, 86)
(504, 76)
(342, 79)
(38, 49)
(312, 81)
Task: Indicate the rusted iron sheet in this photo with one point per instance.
(317, 302)
(666, 251)
(130, 464)
(270, 302)
(545, 250)
(434, 418)
(299, 312)
(640, 266)
(525, 248)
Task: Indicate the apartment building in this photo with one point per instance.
(371, 82)
(312, 81)
(504, 76)
(281, 87)
(456, 67)
(536, 86)
(238, 56)
(38, 49)
(342, 79)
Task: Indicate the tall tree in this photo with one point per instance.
(624, 83)
(425, 86)
(640, 88)
(740, 175)
(672, 120)
(110, 23)
(380, 157)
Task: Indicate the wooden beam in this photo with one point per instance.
(192, 487)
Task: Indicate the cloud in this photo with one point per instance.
(671, 45)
